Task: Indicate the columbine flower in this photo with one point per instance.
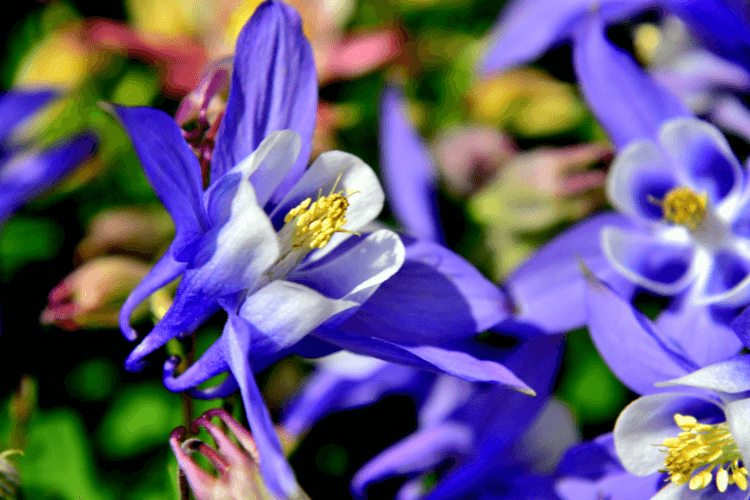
(238, 478)
(696, 438)
(278, 248)
(26, 171)
(645, 356)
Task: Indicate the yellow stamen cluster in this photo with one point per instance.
(703, 445)
(684, 206)
(317, 221)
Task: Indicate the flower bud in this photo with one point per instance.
(91, 296)
(238, 475)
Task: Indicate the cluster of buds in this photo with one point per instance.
(237, 466)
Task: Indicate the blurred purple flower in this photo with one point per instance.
(707, 83)
(26, 171)
(479, 427)
(528, 28)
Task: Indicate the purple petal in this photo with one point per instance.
(526, 29)
(172, 170)
(704, 156)
(741, 326)
(29, 174)
(436, 359)
(191, 306)
(548, 289)
(614, 486)
(19, 104)
(629, 103)
(164, 271)
(700, 331)
(648, 420)
(633, 348)
(211, 363)
(344, 381)
(659, 264)
(277, 473)
(274, 87)
(408, 171)
(731, 376)
(418, 452)
(446, 298)
(721, 26)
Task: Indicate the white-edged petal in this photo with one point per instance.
(284, 312)
(637, 173)
(355, 273)
(635, 253)
(705, 160)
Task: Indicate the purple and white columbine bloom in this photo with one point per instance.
(277, 245)
(650, 359)
(25, 171)
(697, 438)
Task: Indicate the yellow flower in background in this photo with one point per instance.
(527, 101)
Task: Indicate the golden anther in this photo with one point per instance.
(316, 222)
(703, 446)
(683, 206)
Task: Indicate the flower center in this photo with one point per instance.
(684, 206)
(308, 226)
(703, 445)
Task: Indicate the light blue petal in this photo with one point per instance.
(282, 313)
(434, 297)
(738, 419)
(700, 331)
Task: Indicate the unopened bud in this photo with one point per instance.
(91, 296)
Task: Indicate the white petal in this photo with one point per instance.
(355, 273)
